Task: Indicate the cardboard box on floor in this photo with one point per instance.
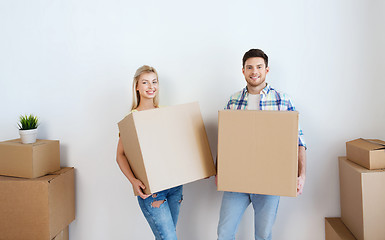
(29, 160)
(362, 200)
(167, 147)
(63, 235)
(369, 153)
(39, 208)
(335, 229)
(258, 152)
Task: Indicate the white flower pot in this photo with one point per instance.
(28, 136)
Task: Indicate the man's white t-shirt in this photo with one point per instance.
(253, 101)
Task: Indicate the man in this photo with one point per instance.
(257, 95)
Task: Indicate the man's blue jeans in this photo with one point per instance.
(163, 219)
(234, 205)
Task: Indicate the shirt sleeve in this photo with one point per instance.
(228, 105)
(301, 138)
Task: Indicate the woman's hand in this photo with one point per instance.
(138, 186)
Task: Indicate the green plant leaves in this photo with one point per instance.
(28, 122)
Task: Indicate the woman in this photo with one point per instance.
(161, 209)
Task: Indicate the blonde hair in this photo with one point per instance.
(135, 93)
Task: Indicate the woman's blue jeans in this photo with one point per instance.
(163, 219)
(234, 205)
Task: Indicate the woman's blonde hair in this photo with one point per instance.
(135, 93)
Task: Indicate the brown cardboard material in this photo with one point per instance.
(167, 147)
(335, 229)
(369, 153)
(63, 235)
(258, 152)
(39, 208)
(29, 160)
(362, 200)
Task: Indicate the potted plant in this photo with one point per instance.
(28, 128)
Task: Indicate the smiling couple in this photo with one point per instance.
(161, 209)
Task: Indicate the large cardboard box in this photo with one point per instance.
(258, 152)
(335, 229)
(369, 153)
(362, 200)
(63, 235)
(167, 147)
(36, 209)
(29, 160)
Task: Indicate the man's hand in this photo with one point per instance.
(300, 183)
(301, 169)
(138, 186)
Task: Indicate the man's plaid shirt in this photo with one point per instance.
(271, 99)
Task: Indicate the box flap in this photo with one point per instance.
(378, 144)
(46, 178)
(368, 144)
(17, 142)
(62, 171)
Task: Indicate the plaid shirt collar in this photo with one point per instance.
(264, 91)
(241, 102)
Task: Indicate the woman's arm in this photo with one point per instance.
(126, 169)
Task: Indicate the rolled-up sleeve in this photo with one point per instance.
(301, 138)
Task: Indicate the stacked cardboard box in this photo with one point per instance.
(362, 188)
(37, 197)
(335, 229)
(29, 160)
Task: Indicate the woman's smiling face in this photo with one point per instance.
(148, 85)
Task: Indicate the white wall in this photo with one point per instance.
(71, 63)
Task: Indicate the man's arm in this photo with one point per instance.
(301, 169)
